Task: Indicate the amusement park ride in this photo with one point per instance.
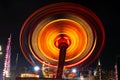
(62, 35)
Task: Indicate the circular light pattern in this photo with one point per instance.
(81, 28)
(47, 35)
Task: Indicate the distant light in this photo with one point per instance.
(0, 48)
(74, 70)
(95, 73)
(36, 68)
(29, 75)
(82, 78)
(1, 53)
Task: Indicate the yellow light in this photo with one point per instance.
(84, 31)
(43, 40)
(1, 53)
(62, 26)
(29, 75)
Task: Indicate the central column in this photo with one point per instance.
(62, 45)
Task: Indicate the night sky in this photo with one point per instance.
(13, 13)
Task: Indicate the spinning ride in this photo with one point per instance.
(65, 34)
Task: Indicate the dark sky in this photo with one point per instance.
(13, 13)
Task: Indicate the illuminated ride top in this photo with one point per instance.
(76, 26)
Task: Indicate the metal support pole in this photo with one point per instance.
(62, 42)
(62, 55)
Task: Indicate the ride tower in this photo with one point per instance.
(6, 70)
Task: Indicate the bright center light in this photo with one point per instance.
(36, 68)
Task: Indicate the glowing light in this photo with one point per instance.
(0, 48)
(74, 70)
(36, 68)
(80, 43)
(1, 53)
(29, 75)
(84, 34)
(49, 33)
(6, 70)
